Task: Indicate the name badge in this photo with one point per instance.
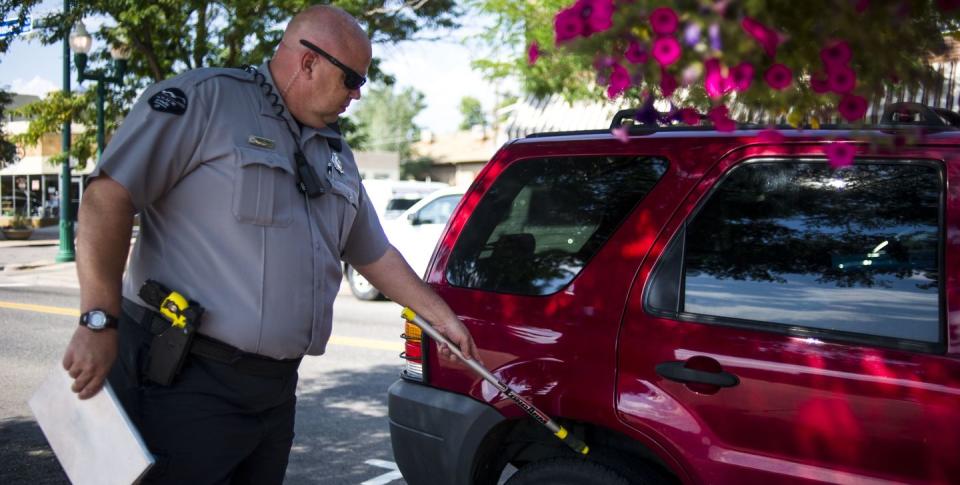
(261, 142)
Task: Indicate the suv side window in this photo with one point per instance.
(799, 248)
(544, 218)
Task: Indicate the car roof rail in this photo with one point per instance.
(898, 115)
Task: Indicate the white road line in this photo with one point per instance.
(393, 474)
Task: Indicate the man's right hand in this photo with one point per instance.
(88, 359)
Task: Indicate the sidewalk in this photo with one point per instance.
(33, 262)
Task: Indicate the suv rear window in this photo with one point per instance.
(544, 218)
(799, 246)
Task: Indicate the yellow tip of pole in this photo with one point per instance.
(408, 314)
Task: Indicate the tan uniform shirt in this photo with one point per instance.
(222, 220)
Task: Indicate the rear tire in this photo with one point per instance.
(566, 471)
(361, 288)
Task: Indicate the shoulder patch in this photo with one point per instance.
(170, 100)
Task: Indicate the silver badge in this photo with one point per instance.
(337, 164)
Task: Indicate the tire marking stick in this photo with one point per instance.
(559, 431)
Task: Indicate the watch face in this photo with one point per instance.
(96, 320)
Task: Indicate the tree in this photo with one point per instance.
(167, 37)
(8, 151)
(815, 59)
(472, 112)
(386, 118)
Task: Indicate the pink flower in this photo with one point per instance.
(741, 76)
(621, 133)
(533, 53)
(778, 76)
(619, 80)
(714, 81)
(836, 54)
(663, 20)
(601, 14)
(666, 50)
(771, 135)
(688, 116)
(766, 36)
(668, 83)
(839, 154)
(852, 107)
(720, 118)
(841, 79)
(862, 5)
(636, 53)
(819, 83)
(568, 25)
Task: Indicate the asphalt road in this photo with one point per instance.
(342, 434)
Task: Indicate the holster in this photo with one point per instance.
(170, 346)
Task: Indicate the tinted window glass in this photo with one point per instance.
(798, 244)
(543, 219)
(401, 204)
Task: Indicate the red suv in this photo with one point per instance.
(699, 307)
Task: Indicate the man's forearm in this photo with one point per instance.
(394, 278)
(103, 242)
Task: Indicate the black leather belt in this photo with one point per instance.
(213, 349)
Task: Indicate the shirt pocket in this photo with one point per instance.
(350, 202)
(263, 188)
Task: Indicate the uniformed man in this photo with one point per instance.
(213, 161)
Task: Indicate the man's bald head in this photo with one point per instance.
(323, 24)
(314, 84)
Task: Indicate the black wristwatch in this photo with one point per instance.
(98, 320)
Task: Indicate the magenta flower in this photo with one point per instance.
(621, 133)
(852, 107)
(619, 81)
(836, 54)
(600, 16)
(720, 118)
(778, 76)
(771, 135)
(714, 81)
(862, 5)
(636, 53)
(668, 83)
(689, 116)
(948, 5)
(663, 20)
(819, 83)
(666, 50)
(741, 76)
(841, 79)
(839, 154)
(766, 36)
(568, 25)
(533, 53)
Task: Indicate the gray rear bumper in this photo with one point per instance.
(436, 434)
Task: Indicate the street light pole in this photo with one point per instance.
(80, 42)
(66, 253)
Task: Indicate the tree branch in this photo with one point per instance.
(413, 5)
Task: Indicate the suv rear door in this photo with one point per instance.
(819, 298)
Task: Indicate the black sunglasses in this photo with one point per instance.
(352, 81)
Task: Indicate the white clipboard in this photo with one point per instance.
(94, 439)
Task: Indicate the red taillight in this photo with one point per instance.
(413, 352)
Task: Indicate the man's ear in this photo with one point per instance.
(307, 62)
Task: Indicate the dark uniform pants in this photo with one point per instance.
(213, 425)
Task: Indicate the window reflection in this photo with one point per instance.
(854, 250)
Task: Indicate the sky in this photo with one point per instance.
(439, 69)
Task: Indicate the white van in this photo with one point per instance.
(391, 197)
